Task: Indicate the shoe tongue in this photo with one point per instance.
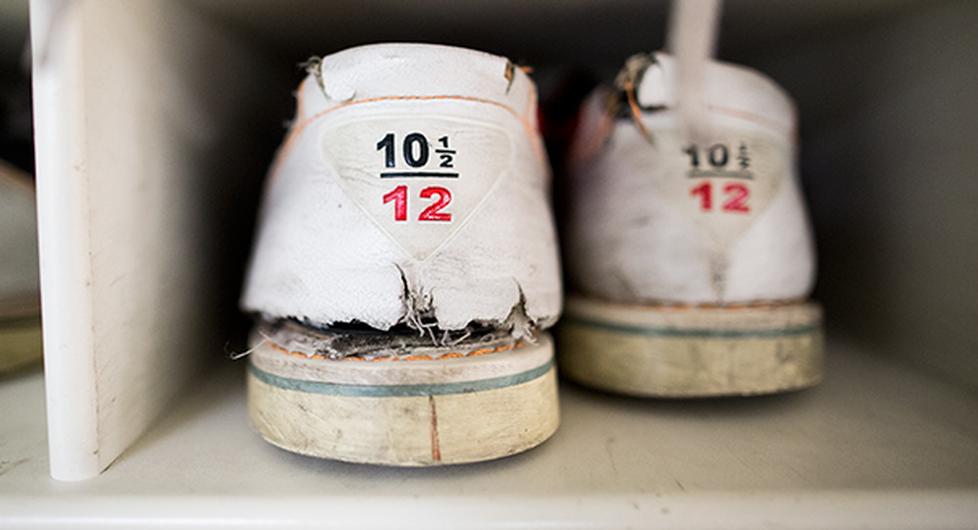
(727, 86)
(420, 70)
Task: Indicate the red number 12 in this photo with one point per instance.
(433, 212)
(736, 195)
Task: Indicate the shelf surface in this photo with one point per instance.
(876, 445)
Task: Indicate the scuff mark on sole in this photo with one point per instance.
(435, 444)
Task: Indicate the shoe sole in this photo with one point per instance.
(477, 405)
(660, 351)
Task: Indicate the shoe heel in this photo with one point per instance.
(466, 405)
(691, 351)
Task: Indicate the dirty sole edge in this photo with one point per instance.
(419, 413)
(656, 351)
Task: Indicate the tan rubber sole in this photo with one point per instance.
(405, 412)
(691, 352)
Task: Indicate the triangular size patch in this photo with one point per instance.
(418, 178)
(725, 184)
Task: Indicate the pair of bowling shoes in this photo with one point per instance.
(406, 267)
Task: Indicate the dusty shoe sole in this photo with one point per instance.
(432, 406)
(692, 351)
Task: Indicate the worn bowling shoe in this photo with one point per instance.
(405, 268)
(689, 248)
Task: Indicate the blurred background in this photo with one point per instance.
(15, 88)
(20, 340)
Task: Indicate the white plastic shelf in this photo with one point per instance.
(876, 446)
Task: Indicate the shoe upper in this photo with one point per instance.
(412, 187)
(662, 215)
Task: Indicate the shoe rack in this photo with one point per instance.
(155, 122)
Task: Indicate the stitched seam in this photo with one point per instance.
(663, 305)
(530, 130)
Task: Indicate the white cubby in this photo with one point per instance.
(878, 445)
(155, 121)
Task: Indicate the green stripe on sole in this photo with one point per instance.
(700, 333)
(339, 389)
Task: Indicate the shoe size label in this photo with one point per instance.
(417, 179)
(723, 184)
